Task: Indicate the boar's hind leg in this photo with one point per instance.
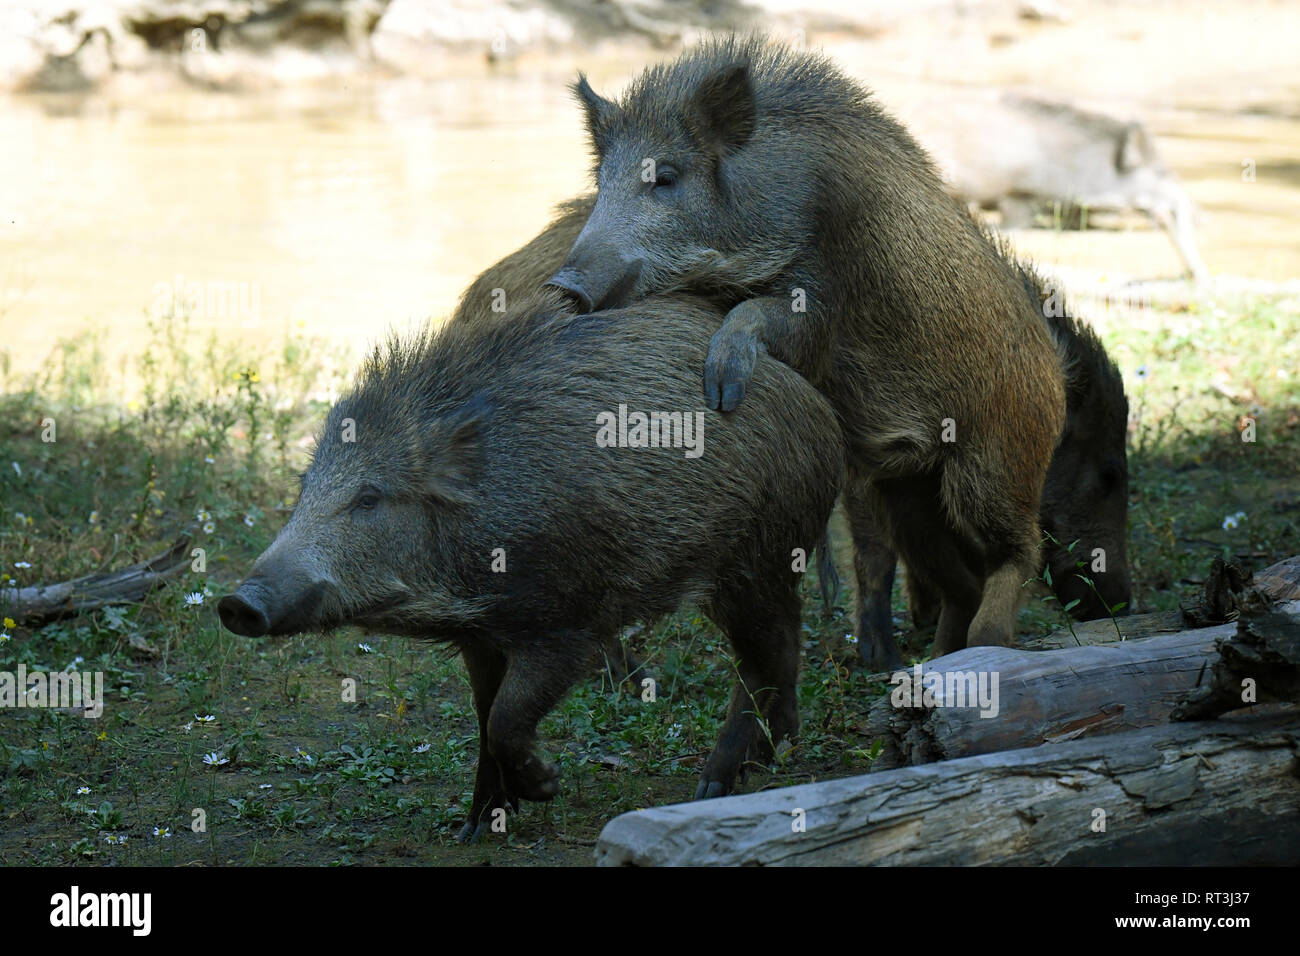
(1000, 501)
(874, 562)
(764, 632)
(923, 601)
(537, 675)
(1010, 566)
(935, 554)
(486, 668)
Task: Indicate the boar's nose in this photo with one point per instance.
(242, 613)
(569, 281)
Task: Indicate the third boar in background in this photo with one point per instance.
(461, 493)
(762, 176)
(1018, 154)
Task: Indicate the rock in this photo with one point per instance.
(60, 45)
(409, 29)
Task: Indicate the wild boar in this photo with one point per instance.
(526, 488)
(763, 177)
(1017, 154)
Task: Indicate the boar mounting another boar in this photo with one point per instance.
(763, 177)
(1084, 499)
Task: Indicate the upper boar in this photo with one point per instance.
(763, 177)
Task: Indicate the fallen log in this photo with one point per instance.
(1032, 697)
(1281, 582)
(986, 699)
(46, 602)
(1105, 631)
(1211, 793)
(1258, 663)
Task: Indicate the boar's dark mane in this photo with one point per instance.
(1088, 368)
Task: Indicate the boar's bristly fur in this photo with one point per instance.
(827, 237)
(1084, 498)
(459, 493)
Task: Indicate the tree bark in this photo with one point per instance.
(1196, 794)
(1039, 696)
(1258, 663)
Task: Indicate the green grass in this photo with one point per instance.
(287, 771)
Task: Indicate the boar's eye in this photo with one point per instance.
(665, 177)
(366, 500)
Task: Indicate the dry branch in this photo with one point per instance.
(45, 602)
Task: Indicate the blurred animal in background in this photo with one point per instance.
(1021, 156)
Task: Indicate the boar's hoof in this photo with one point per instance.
(708, 789)
(472, 832)
(537, 780)
(728, 368)
(990, 636)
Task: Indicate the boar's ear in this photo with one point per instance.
(453, 452)
(720, 117)
(600, 111)
(1134, 149)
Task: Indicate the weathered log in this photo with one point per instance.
(1084, 633)
(1258, 663)
(1213, 793)
(1281, 582)
(1033, 697)
(48, 601)
(1046, 696)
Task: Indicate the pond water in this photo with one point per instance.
(343, 211)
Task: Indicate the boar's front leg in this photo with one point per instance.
(793, 337)
(486, 667)
(537, 675)
(512, 693)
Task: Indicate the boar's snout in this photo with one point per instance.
(256, 610)
(569, 281)
(243, 614)
(597, 282)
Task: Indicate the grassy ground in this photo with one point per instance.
(250, 736)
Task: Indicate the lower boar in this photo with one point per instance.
(463, 492)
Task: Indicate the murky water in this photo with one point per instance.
(337, 213)
(342, 212)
